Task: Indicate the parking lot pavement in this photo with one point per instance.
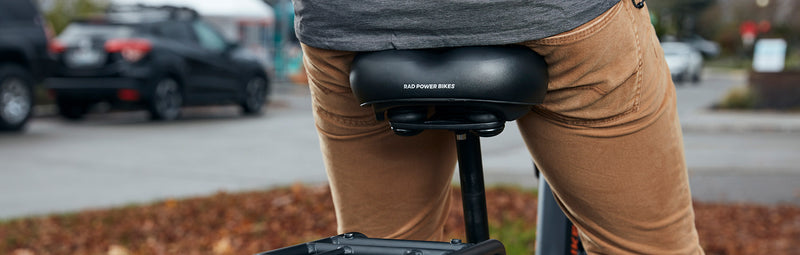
(119, 158)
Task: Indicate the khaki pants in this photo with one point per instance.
(607, 139)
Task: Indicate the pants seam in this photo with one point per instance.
(343, 120)
(640, 55)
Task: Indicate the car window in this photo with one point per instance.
(17, 11)
(78, 31)
(176, 31)
(675, 48)
(208, 37)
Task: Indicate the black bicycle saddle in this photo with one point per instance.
(464, 88)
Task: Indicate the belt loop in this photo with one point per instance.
(638, 5)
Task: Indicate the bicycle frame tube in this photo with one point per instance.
(555, 234)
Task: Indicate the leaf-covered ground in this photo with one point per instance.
(250, 222)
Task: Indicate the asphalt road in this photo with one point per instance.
(120, 158)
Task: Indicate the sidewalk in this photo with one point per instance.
(696, 115)
(740, 121)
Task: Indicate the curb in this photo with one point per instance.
(741, 122)
(44, 111)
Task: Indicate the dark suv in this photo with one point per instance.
(157, 58)
(23, 60)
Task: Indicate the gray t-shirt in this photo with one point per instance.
(370, 25)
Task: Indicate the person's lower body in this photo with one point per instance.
(607, 139)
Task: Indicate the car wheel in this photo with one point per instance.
(166, 101)
(696, 78)
(72, 110)
(255, 95)
(681, 79)
(16, 97)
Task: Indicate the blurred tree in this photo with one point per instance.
(61, 12)
(678, 17)
(721, 22)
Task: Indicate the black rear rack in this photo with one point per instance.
(360, 244)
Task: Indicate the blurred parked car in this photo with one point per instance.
(23, 60)
(684, 61)
(157, 58)
(709, 49)
(251, 23)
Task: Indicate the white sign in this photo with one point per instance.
(769, 55)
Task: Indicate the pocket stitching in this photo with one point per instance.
(637, 89)
(640, 55)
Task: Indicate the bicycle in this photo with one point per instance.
(471, 91)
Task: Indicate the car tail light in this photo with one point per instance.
(131, 49)
(56, 47)
(53, 45)
(128, 95)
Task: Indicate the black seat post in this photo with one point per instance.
(473, 192)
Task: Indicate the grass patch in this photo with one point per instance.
(519, 236)
(738, 98)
